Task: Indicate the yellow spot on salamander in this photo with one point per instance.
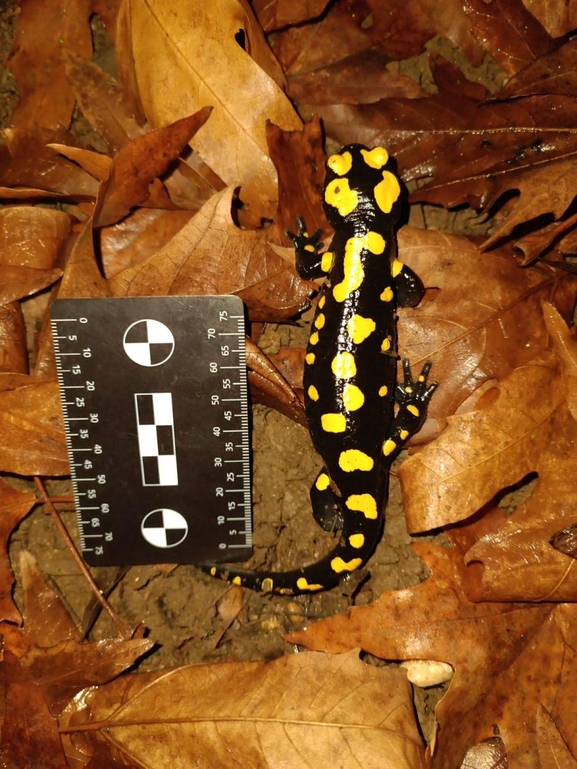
(353, 397)
(375, 242)
(340, 164)
(357, 540)
(388, 447)
(213, 571)
(413, 410)
(386, 344)
(354, 273)
(322, 301)
(343, 365)
(327, 261)
(267, 585)
(338, 565)
(237, 581)
(310, 248)
(363, 503)
(314, 338)
(310, 358)
(334, 423)
(403, 435)
(320, 320)
(322, 482)
(313, 393)
(383, 391)
(302, 584)
(353, 459)
(396, 268)
(360, 328)
(387, 192)
(339, 195)
(375, 158)
(387, 295)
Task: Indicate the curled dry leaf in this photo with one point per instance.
(194, 55)
(294, 711)
(32, 440)
(211, 255)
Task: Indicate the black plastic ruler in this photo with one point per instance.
(155, 403)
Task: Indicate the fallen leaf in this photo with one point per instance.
(499, 651)
(211, 255)
(31, 236)
(32, 440)
(14, 506)
(43, 30)
(138, 164)
(189, 57)
(30, 738)
(295, 711)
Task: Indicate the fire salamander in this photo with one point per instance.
(359, 416)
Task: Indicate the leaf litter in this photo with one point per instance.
(200, 164)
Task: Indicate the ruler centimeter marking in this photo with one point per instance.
(154, 422)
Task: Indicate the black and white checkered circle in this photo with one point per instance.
(164, 528)
(148, 342)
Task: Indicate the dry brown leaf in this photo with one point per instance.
(46, 618)
(44, 28)
(481, 316)
(500, 652)
(565, 347)
(82, 278)
(31, 236)
(137, 237)
(94, 163)
(13, 350)
(138, 164)
(14, 506)
(30, 737)
(29, 168)
(553, 750)
(102, 101)
(20, 282)
(269, 386)
(32, 438)
(300, 711)
(187, 57)
(211, 255)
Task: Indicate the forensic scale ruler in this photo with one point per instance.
(155, 403)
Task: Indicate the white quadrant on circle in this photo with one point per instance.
(158, 332)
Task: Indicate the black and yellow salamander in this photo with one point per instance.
(359, 416)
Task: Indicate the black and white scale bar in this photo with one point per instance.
(155, 426)
(144, 383)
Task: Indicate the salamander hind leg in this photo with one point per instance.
(325, 503)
